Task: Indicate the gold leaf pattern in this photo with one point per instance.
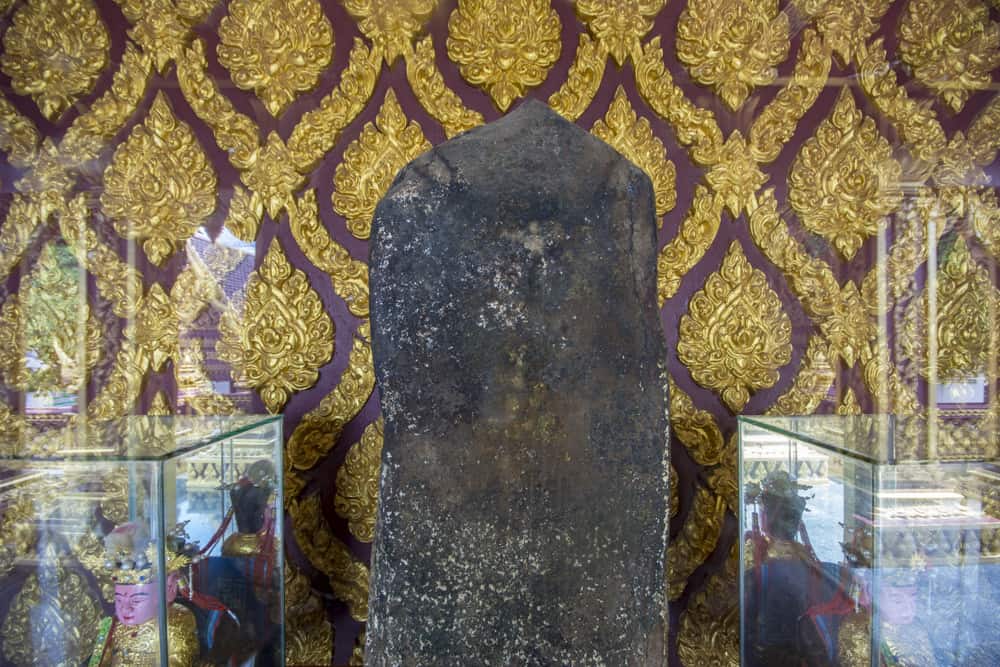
(733, 45)
(245, 212)
(696, 128)
(736, 177)
(54, 51)
(633, 137)
(696, 541)
(348, 576)
(709, 634)
(695, 236)
(357, 483)
(159, 186)
(156, 326)
(580, 87)
(696, 429)
(735, 335)
(967, 324)
(283, 336)
(17, 232)
(952, 47)
(391, 26)
(619, 26)
(845, 24)
(321, 427)
(320, 128)
(19, 137)
(163, 28)
(438, 99)
(844, 180)
(816, 375)
(277, 48)
(504, 46)
(124, 384)
(273, 176)
(372, 161)
(849, 404)
(348, 275)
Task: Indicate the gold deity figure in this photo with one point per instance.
(131, 637)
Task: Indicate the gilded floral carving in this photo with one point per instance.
(733, 45)
(283, 336)
(391, 26)
(696, 541)
(845, 24)
(159, 187)
(54, 51)
(504, 46)
(845, 181)
(966, 331)
(619, 26)
(163, 27)
(585, 76)
(736, 176)
(633, 137)
(357, 483)
(735, 335)
(952, 47)
(434, 95)
(277, 48)
(696, 429)
(156, 327)
(696, 234)
(371, 162)
(272, 175)
(811, 384)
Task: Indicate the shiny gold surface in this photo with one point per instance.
(357, 483)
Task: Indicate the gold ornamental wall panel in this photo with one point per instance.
(188, 186)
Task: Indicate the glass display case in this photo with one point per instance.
(861, 546)
(145, 541)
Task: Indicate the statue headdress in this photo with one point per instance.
(130, 555)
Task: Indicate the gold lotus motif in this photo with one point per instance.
(273, 177)
(372, 161)
(159, 186)
(156, 327)
(163, 27)
(44, 322)
(845, 24)
(504, 46)
(736, 176)
(277, 48)
(357, 483)
(735, 335)
(967, 325)
(733, 45)
(633, 137)
(282, 337)
(844, 180)
(391, 26)
(619, 26)
(951, 46)
(54, 51)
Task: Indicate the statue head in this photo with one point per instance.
(138, 603)
(783, 506)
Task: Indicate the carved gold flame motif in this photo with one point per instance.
(54, 51)
(967, 322)
(733, 45)
(845, 24)
(277, 48)
(283, 335)
(633, 137)
(159, 187)
(357, 483)
(371, 162)
(391, 26)
(619, 26)
(504, 46)
(952, 47)
(844, 180)
(735, 335)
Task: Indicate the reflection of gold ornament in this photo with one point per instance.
(371, 162)
(967, 327)
(159, 185)
(391, 26)
(54, 51)
(504, 46)
(277, 48)
(845, 24)
(732, 45)
(844, 180)
(633, 137)
(52, 620)
(619, 26)
(735, 335)
(952, 47)
(357, 483)
(283, 336)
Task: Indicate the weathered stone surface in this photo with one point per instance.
(520, 361)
